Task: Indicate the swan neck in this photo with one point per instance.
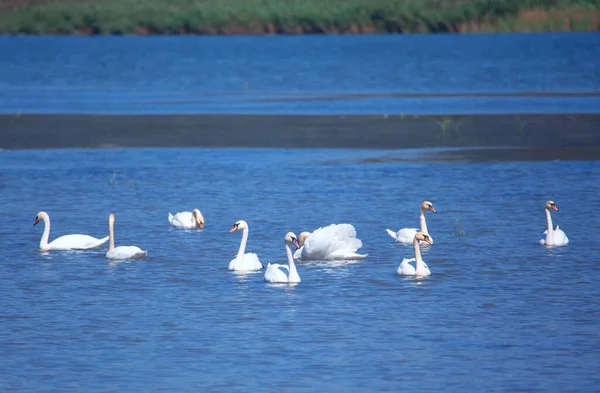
(242, 249)
(46, 234)
(111, 235)
(293, 272)
(550, 234)
(418, 258)
(423, 222)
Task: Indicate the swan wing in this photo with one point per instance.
(182, 220)
(276, 273)
(126, 252)
(331, 241)
(406, 235)
(406, 268)
(560, 237)
(298, 253)
(249, 262)
(76, 242)
(347, 233)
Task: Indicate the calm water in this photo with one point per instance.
(304, 74)
(499, 313)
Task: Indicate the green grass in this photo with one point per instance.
(281, 16)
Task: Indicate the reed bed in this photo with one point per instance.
(294, 16)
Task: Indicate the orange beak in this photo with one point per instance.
(36, 221)
(428, 240)
(554, 207)
(201, 225)
(233, 229)
(432, 209)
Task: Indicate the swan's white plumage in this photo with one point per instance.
(553, 237)
(74, 242)
(560, 237)
(406, 235)
(420, 268)
(244, 261)
(336, 241)
(126, 252)
(66, 242)
(249, 261)
(408, 267)
(276, 273)
(193, 219)
(122, 252)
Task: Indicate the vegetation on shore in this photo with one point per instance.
(294, 16)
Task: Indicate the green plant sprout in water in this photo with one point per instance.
(459, 229)
(445, 125)
(112, 180)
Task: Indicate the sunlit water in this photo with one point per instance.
(374, 74)
(499, 313)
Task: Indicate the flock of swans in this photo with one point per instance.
(334, 242)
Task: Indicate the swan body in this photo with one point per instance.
(193, 219)
(406, 235)
(333, 242)
(553, 237)
(244, 261)
(277, 273)
(121, 252)
(420, 268)
(66, 242)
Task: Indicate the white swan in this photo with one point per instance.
(121, 252)
(406, 235)
(420, 268)
(275, 272)
(554, 237)
(193, 219)
(243, 261)
(66, 242)
(333, 242)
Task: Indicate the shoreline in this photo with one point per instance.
(557, 136)
(269, 17)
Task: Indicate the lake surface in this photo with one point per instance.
(500, 313)
(412, 74)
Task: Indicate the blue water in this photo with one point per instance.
(411, 74)
(500, 313)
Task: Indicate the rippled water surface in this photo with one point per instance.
(499, 312)
(416, 74)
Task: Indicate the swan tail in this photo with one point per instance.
(170, 218)
(391, 233)
(103, 240)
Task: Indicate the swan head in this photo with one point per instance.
(422, 236)
(290, 238)
(198, 217)
(39, 217)
(111, 218)
(240, 225)
(302, 238)
(551, 205)
(426, 205)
